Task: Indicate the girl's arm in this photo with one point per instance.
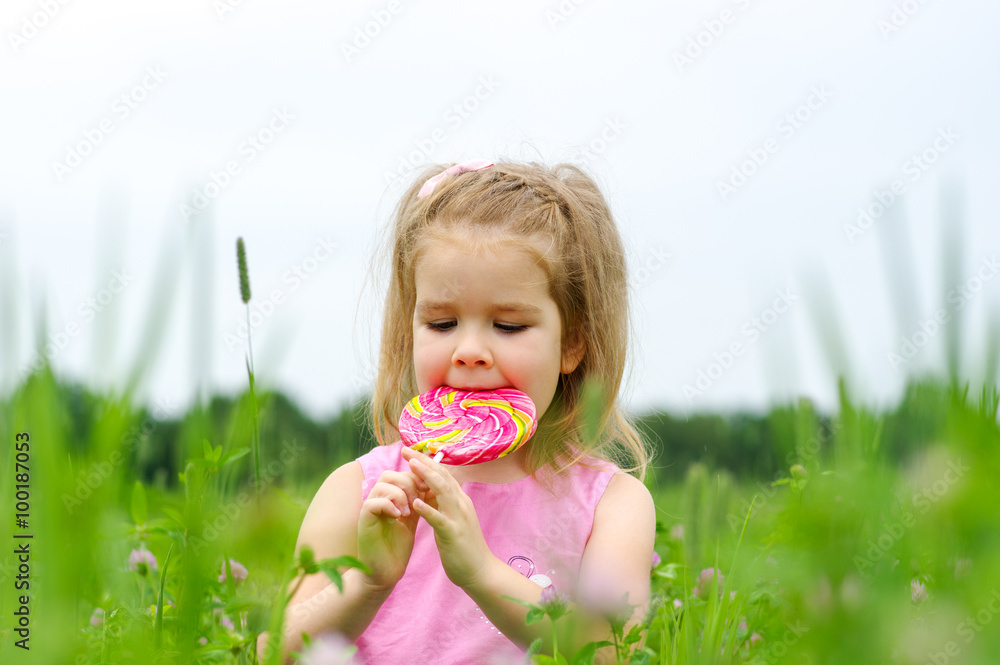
(617, 559)
(330, 527)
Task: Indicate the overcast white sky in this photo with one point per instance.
(115, 113)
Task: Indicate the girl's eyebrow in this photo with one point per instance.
(426, 307)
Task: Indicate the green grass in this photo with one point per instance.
(858, 557)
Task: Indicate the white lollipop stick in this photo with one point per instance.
(440, 454)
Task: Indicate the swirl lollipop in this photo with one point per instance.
(467, 427)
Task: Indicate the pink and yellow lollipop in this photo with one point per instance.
(467, 427)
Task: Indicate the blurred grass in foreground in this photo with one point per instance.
(847, 557)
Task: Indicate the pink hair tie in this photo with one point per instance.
(475, 165)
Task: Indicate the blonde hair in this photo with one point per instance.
(585, 265)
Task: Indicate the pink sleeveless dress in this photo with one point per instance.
(542, 535)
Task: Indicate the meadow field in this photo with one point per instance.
(860, 536)
(866, 548)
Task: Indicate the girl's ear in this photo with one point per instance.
(573, 353)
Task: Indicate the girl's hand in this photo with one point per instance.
(386, 526)
(449, 510)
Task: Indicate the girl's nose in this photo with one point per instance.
(472, 351)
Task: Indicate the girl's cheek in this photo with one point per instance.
(430, 366)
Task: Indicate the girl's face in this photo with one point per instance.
(484, 321)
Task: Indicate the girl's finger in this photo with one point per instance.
(430, 499)
(405, 480)
(448, 494)
(380, 507)
(429, 513)
(394, 494)
(423, 473)
(411, 454)
(435, 478)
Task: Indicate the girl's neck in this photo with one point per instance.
(500, 471)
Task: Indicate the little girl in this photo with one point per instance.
(502, 276)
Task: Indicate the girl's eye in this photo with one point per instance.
(506, 328)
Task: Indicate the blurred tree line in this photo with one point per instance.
(299, 451)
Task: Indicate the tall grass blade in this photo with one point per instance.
(157, 319)
(952, 237)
